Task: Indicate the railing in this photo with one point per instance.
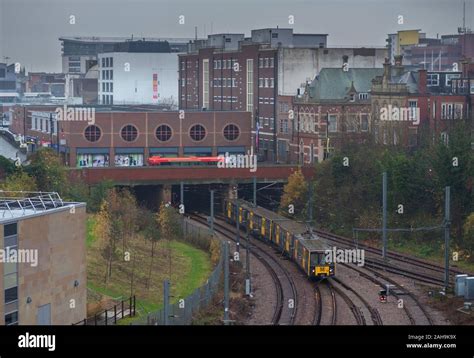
(183, 311)
(126, 308)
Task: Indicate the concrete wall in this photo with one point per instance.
(60, 240)
(136, 86)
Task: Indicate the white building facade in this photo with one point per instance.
(138, 78)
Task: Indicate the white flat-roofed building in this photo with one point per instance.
(138, 78)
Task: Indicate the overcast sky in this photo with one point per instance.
(29, 29)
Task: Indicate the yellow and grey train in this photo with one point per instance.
(306, 249)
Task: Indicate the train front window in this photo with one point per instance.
(317, 258)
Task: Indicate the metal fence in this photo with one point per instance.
(126, 308)
(183, 311)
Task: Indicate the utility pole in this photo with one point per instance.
(310, 203)
(254, 192)
(211, 223)
(181, 193)
(384, 215)
(51, 130)
(248, 285)
(57, 134)
(237, 227)
(166, 302)
(226, 283)
(447, 224)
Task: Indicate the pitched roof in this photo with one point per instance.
(335, 83)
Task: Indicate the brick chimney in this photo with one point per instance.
(422, 81)
(386, 72)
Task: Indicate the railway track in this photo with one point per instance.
(286, 293)
(374, 314)
(326, 303)
(434, 277)
(404, 292)
(356, 312)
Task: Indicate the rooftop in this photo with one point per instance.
(23, 204)
(108, 39)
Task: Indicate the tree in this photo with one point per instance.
(468, 236)
(151, 231)
(102, 231)
(98, 193)
(7, 167)
(46, 168)
(295, 194)
(19, 181)
(168, 226)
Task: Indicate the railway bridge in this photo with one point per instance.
(166, 182)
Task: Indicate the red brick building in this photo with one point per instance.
(261, 74)
(125, 136)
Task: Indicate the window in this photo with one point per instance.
(129, 133)
(103, 61)
(272, 64)
(274, 35)
(231, 132)
(351, 123)
(260, 82)
(163, 133)
(265, 62)
(364, 122)
(228, 39)
(445, 138)
(352, 97)
(260, 62)
(205, 83)
(197, 132)
(447, 111)
(92, 133)
(11, 318)
(432, 79)
(270, 82)
(111, 62)
(363, 96)
(11, 294)
(332, 123)
(450, 76)
(182, 65)
(413, 105)
(266, 82)
(250, 85)
(458, 111)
